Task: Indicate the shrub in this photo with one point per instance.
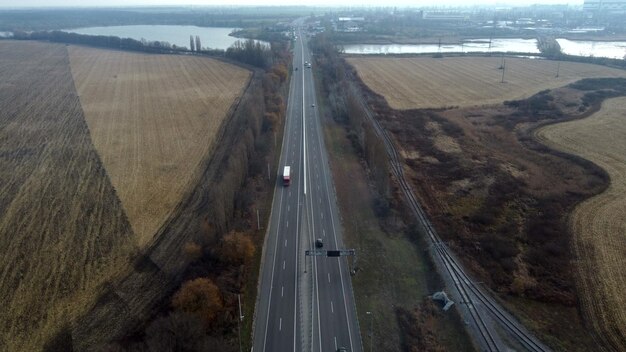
(200, 297)
(237, 248)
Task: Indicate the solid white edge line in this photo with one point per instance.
(334, 235)
(285, 149)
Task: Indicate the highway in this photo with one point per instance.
(305, 303)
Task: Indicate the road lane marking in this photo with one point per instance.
(282, 291)
(267, 319)
(287, 223)
(295, 292)
(328, 277)
(325, 171)
(288, 207)
(335, 343)
(280, 324)
(323, 232)
(285, 243)
(332, 310)
(283, 265)
(303, 124)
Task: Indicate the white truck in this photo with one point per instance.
(287, 176)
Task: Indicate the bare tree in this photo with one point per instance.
(198, 45)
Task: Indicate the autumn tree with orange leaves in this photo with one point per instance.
(201, 297)
(237, 248)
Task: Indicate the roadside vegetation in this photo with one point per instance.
(502, 200)
(392, 264)
(75, 274)
(200, 311)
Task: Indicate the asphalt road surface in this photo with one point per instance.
(305, 303)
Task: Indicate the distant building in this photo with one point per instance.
(351, 19)
(348, 24)
(444, 16)
(612, 7)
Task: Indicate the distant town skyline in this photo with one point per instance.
(345, 3)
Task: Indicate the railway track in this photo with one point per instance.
(469, 292)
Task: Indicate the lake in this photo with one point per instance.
(211, 37)
(468, 46)
(612, 50)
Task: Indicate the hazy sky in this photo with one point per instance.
(399, 3)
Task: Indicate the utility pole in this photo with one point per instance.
(503, 69)
(558, 67)
(258, 221)
(239, 321)
(371, 335)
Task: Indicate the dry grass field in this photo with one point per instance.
(424, 82)
(152, 119)
(96, 149)
(63, 232)
(599, 224)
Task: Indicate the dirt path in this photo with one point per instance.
(599, 224)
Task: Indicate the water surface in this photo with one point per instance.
(210, 37)
(469, 46)
(612, 50)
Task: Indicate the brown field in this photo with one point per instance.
(72, 182)
(152, 119)
(63, 231)
(599, 224)
(424, 82)
(502, 200)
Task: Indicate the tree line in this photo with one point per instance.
(56, 19)
(248, 51)
(203, 313)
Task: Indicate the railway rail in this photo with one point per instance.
(462, 281)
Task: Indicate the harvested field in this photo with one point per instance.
(63, 232)
(96, 150)
(599, 224)
(424, 82)
(152, 119)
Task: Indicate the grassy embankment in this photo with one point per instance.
(394, 275)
